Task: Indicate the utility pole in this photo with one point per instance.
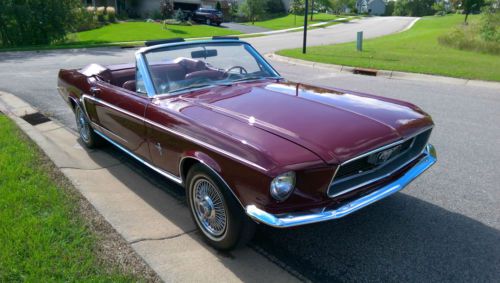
(305, 28)
(312, 9)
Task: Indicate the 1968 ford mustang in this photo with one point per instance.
(249, 146)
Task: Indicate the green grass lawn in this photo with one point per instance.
(42, 235)
(116, 34)
(416, 50)
(289, 21)
(140, 31)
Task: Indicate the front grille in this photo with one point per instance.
(368, 168)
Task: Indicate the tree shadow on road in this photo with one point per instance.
(399, 239)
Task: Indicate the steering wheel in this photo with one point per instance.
(242, 70)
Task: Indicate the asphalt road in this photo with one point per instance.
(371, 27)
(244, 28)
(444, 227)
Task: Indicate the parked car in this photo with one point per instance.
(247, 145)
(208, 16)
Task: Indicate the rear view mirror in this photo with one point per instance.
(204, 53)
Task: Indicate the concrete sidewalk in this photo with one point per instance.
(157, 225)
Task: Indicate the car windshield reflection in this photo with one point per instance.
(178, 68)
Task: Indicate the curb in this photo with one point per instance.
(388, 74)
(168, 241)
(410, 25)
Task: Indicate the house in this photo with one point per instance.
(147, 7)
(371, 7)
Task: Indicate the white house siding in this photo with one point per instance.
(148, 6)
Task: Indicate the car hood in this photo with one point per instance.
(335, 124)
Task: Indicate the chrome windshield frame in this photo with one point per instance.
(142, 64)
(142, 67)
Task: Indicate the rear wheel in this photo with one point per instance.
(87, 134)
(216, 211)
(208, 22)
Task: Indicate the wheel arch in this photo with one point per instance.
(189, 160)
(73, 102)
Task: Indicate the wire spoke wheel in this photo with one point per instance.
(83, 125)
(209, 207)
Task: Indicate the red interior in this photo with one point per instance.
(124, 75)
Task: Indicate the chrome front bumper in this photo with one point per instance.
(299, 218)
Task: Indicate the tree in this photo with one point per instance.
(296, 8)
(37, 22)
(389, 9)
(440, 8)
(179, 15)
(275, 7)
(416, 8)
(218, 7)
(471, 6)
(338, 6)
(253, 9)
(166, 9)
(320, 4)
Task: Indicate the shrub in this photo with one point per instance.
(111, 12)
(253, 10)
(490, 25)
(36, 22)
(156, 15)
(176, 22)
(85, 19)
(179, 15)
(468, 37)
(100, 14)
(90, 9)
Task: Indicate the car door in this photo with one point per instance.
(120, 116)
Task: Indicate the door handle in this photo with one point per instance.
(95, 90)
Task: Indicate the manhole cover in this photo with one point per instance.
(35, 118)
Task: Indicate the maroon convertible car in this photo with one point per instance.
(249, 146)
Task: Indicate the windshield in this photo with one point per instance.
(178, 68)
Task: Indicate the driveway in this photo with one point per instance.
(444, 227)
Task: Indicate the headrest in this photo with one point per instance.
(191, 65)
(129, 85)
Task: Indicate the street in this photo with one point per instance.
(444, 227)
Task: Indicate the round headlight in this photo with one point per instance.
(282, 186)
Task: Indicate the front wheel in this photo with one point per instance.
(208, 22)
(87, 134)
(216, 211)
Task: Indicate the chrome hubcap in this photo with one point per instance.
(83, 126)
(209, 207)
